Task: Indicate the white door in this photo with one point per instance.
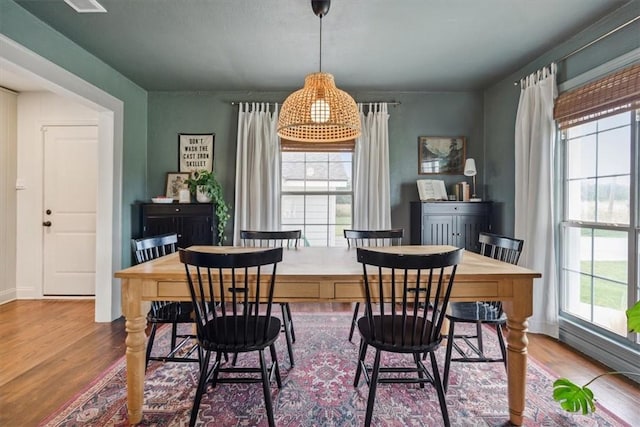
(69, 209)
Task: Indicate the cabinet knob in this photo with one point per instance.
(177, 209)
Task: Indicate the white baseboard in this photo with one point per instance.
(7, 295)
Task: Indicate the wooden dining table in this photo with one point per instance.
(331, 274)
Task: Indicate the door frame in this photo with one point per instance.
(110, 142)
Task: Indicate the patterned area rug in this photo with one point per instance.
(319, 391)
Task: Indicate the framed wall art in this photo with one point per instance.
(195, 152)
(176, 181)
(441, 154)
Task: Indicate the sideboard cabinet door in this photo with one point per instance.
(449, 223)
(192, 222)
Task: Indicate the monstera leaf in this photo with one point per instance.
(572, 397)
(633, 318)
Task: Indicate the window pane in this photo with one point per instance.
(317, 157)
(580, 200)
(316, 209)
(610, 255)
(610, 267)
(613, 200)
(581, 157)
(573, 302)
(316, 235)
(580, 130)
(341, 157)
(291, 156)
(317, 176)
(292, 209)
(614, 121)
(292, 176)
(610, 146)
(595, 276)
(343, 210)
(340, 176)
(578, 253)
(577, 265)
(610, 304)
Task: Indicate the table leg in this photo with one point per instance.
(135, 326)
(517, 312)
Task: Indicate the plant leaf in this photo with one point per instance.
(572, 397)
(633, 318)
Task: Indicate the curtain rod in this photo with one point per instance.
(581, 48)
(391, 103)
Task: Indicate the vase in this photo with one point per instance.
(201, 195)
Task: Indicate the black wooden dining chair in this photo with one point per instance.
(370, 238)
(415, 289)
(502, 248)
(271, 239)
(230, 282)
(163, 312)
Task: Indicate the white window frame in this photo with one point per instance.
(613, 350)
(337, 241)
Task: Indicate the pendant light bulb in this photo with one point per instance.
(320, 111)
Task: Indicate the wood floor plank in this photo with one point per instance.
(53, 349)
(58, 350)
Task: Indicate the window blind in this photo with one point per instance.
(288, 145)
(613, 94)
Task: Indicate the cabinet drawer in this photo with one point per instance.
(453, 208)
(178, 209)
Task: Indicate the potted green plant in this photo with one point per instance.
(204, 185)
(574, 398)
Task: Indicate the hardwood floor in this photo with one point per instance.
(52, 349)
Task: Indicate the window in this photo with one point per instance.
(599, 239)
(317, 195)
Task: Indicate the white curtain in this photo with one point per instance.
(371, 200)
(535, 136)
(257, 202)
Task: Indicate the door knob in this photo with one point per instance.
(47, 223)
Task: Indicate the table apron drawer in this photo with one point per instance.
(288, 291)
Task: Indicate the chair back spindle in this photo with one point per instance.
(149, 248)
(415, 300)
(373, 238)
(502, 248)
(271, 239)
(370, 238)
(232, 282)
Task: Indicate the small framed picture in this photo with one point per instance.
(195, 152)
(176, 181)
(441, 154)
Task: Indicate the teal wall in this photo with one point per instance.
(19, 25)
(501, 101)
(419, 114)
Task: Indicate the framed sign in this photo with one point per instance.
(195, 152)
(176, 181)
(441, 154)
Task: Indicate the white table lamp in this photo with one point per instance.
(470, 170)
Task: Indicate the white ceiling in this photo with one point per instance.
(376, 45)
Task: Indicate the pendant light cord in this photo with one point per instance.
(320, 43)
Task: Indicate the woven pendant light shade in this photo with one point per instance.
(319, 112)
